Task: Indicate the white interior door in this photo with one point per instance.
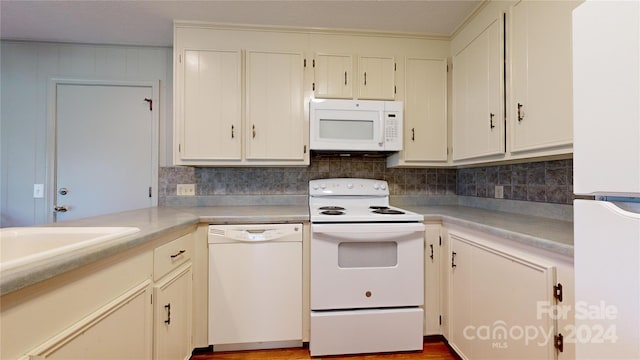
(105, 152)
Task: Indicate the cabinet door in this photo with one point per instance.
(499, 303)
(210, 119)
(333, 76)
(425, 110)
(460, 301)
(119, 330)
(275, 121)
(478, 116)
(541, 106)
(432, 285)
(377, 78)
(172, 320)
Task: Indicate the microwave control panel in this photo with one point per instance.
(392, 130)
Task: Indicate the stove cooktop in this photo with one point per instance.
(354, 200)
(363, 214)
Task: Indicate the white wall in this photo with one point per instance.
(25, 70)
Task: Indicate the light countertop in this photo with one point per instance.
(548, 234)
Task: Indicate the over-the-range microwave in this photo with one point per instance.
(355, 125)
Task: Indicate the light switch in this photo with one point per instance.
(38, 191)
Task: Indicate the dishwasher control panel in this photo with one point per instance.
(254, 233)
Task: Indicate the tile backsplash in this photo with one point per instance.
(294, 180)
(547, 181)
(550, 181)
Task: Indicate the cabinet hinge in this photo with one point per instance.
(304, 149)
(179, 147)
(151, 298)
(149, 191)
(395, 66)
(557, 292)
(313, 86)
(180, 58)
(558, 342)
(440, 319)
(395, 90)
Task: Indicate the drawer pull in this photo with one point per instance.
(178, 254)
(168, 308)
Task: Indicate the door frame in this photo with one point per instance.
(52, 110)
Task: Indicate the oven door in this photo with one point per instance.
(367, 265)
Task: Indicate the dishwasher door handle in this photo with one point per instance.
(258, 235)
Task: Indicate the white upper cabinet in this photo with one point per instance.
(333, 76)
(425, 114)
(377, 77)
(209, 114)
(239, 98)
(540, 106)
(275, 106)
(241, 94)
(478, 120)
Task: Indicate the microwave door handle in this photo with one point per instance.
(382, 120)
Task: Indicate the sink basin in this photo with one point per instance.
(23, 245)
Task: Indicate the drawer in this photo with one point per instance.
(171, 255)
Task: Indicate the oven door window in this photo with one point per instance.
(367, 254)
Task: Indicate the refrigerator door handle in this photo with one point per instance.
(625, 209)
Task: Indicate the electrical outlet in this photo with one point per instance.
(38, 191)
(499, 192)
(186, 189)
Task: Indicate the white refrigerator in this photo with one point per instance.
(606, 86)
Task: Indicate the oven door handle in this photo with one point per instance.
(359, 236)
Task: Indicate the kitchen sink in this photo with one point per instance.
(26, 245)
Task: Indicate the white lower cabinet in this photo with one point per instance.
(172, 299)
(172, 318)
(118, 330)
(432, 278)
(501, 301)
(135, 305)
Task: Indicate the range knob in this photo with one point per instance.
(323, 186)
(349, 186)
(383, 186)
(376, 186)
(315, 187)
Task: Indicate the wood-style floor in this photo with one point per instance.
(431, 350)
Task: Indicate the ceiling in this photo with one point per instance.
(150, 22)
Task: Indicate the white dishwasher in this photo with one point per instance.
(255, 286)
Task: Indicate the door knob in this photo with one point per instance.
(61, 208)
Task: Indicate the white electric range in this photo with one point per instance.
(367, 269)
